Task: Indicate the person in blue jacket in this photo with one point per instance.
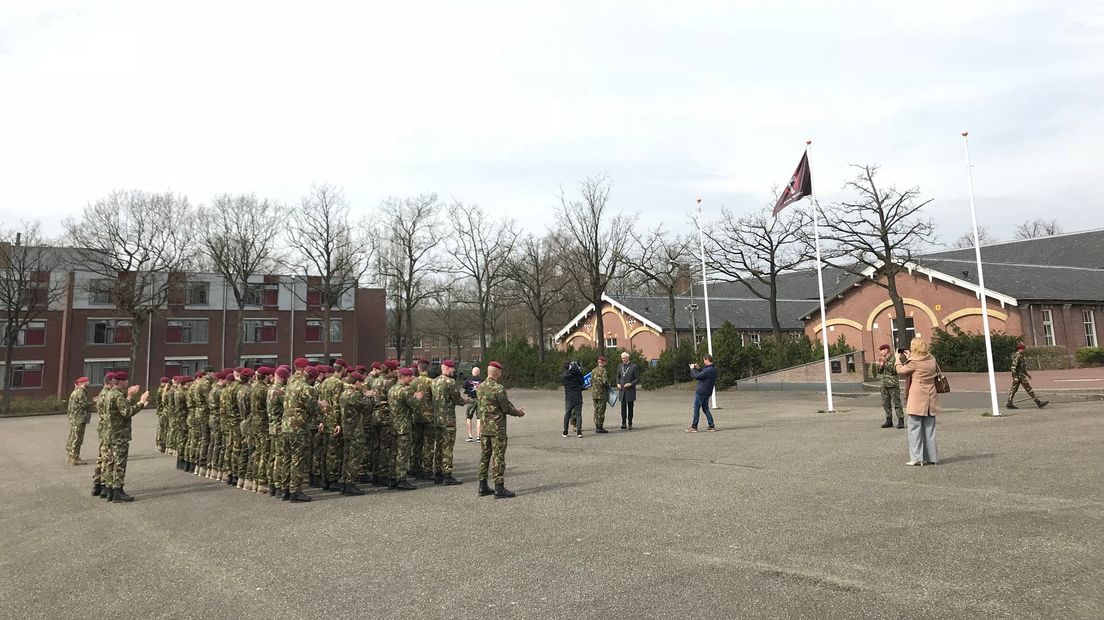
(706, 376)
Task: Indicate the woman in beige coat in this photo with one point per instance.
(922, 403)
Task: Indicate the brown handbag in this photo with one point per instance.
(942, 386)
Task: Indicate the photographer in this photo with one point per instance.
(706, 376)
(573, 397)
(886, 371)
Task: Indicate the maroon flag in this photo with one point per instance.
(800, 185)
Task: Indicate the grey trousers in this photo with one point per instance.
(921, 437)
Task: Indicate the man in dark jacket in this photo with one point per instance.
(573, 397)
(706, 377)
(628, 377)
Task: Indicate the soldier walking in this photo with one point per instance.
(1020, 376)
(599, 392)
(446, 396)
(494, 406)
(80, 412)
(886, 371)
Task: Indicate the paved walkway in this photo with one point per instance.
(1041, 380)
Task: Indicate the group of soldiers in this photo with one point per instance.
(115, 406)
(275, 430)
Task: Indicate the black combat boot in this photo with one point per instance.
(391, 482)
(888, 422)
(380, 481)
(286, 495)
(448, 480)
(119, 495)
(299, 496)
(273, 490)
(1042, 403)
(97, 489)
(179, 462)
(327, 485)
(501, 491)
(900, 422)
(484, 489)
(601, 429)
(403, 485)
(1011, 406)
(366, 479)
(438, 478)
(351, 489)
(108, 494)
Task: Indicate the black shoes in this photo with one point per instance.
(403, 485)
(501, 491)
(299, 496)
(449, 481)
(108, 493)
(600, 430)
(1042, 403)
(273, 490)
(366, 479)
(438, 478)
(379, 481)
(119, 495)
(900, 422)
(351, 489)
(1011, 406)
(97, 489)
(484, 489)
(623, 427)
(179, 463)
(888, 422)
(286, 496)
(231, 480)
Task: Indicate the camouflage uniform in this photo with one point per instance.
(214, 428)
(599, 392)
(425, 427)
(274, 405)
(891, 387)
(161, 439)
(103, 429)
(192, 421)
(330, 391)
(353, 404)
(300, 415)
(80, 412)
(446, 396)
(494, 406)
(202, 392)
(258, 431)
(232, 433)
(119, 410)
(382, 458)
(403, 405)
(179, 420)
(245, 410)
(1020, 376)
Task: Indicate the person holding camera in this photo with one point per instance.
(886, 371)
(706, 376)
(922, 403)
(572, 380)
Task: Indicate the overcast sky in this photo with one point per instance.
(499, 103)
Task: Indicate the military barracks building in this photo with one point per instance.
(82, 333)
(1049, 290)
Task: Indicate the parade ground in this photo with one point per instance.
(785, 512)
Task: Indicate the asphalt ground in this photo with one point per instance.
(782, 513)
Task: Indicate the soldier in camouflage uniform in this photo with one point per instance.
(258, 430)
(161, 440)
(214, 425)
(383, 459)
(231, 429)
(300, 415)
(202, 392)
(191, 424)
(120, 409)
(329, 391)
(245, 409)
(425, 427)
(179, 420)
(80, 412)
(404, 400)
(494, 406)
(371, 430)
(599, 393)
(446, 397)
(103, 453)
(354, 402)
(886, 371)
(274, 405)
(1020, 376)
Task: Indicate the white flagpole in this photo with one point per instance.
(705, 294)
(981, 280)
(820, 286)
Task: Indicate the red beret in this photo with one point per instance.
(376, 365)
(201, 373)
(423, 361)
(185, 379)
(601, 358)
(406, 372)
(1020, 346)
(357, 376)
(264, 371)
(495, 365)
(326, 369)
(884, 347)
(449, 363)
(85, 380)
(109, 376)
(282, 372)
(341, 362)
(301, 362)
(121, 375)
(391, 364)
(247, 372)
(311, 372)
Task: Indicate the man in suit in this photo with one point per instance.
(628, 376)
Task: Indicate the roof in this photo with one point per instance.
(1028, 282)
(1078, 249)
(744, 313)
(792, 285)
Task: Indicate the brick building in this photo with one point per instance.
(82, 333)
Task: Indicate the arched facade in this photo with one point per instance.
(623, 330)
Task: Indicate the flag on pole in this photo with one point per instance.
(800, 185)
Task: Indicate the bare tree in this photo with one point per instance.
(330, 252)
(756, 249)
(240, 243)
(132, 241)
(591, 242)
(656, 258)
(1032, 229)
(537, 280)
(879, 230)
(452, 321)
(482, 249)
(411, 233)
(967, 239)
(26, 289)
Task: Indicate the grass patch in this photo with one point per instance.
(22, 404)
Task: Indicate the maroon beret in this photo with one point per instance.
(357, 377)
(406, 372)
(1020, 346)
(601, 358)
(495, 365)
(391, 364)
(121, 375)
(109, 376)
(247, 372)
(449, 363)
(325, 368)
(341, 362)
(301, 362)
(264, 371)
(311, 372)
(164, 380)
(283, 372)
(884, 347)
(376, 365)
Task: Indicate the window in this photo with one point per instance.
(910, 330)
(183, 366)
(33, 334)
(1090, 327)
(96, 369)
(256, 361)
(314, 330)
(186, 330)
(314, 298)
(611, 342)
(196, 293)
(1048, 327)
(108, 331)
(99, 292)
(260, 330)
(755, 338)
(259, 294)
(25, 375)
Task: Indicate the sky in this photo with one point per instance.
(503, 103)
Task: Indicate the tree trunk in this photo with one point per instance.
(540, 339)
(599, 324)
(409, 344)
(239, 337)
(484, 311)
(674, 328)
(137, 326)
(901, 334)
(398, 332)
(326, 334)
(776, 325)
(9, 352)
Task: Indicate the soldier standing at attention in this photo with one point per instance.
(446, 396)
(245, 410)
(274, 405)
(494, 406)
(121, 409)
(262, 455)
(470, 385)
(599, 392)
(80, 412)
(103, 461)
(202, 388)
(886, 371)
(403, 400)
(383, 466)
(424, 426)
(1020, 376)
(231, 430)
(353, 403)
(178, 412)
(297, 423)
(161, 439)
(371, 426)
(330, 391)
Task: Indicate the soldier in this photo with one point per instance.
(274, 405)
(599, 392)
(886, 371)
(371, 434)
(262, 445)
(179, 424)
(470, 385)
(494, 406)
(248, 447)
(191, 423)
(103, 453)
(202, 392)
(383, 460)
(404, 400)
(161, 439)
(446, 396)
(214, 426)
(353, 403)
(422, 438)
(330, 391)
(120, 409)
(1020, 376)
(80, 412)
(300, 402)
(231, 429)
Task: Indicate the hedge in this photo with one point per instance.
(959, 351)
(1090, 356)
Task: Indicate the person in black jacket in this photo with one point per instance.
(573, 397)
(628, 377)
(706, 377)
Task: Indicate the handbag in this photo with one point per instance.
(942, 386)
